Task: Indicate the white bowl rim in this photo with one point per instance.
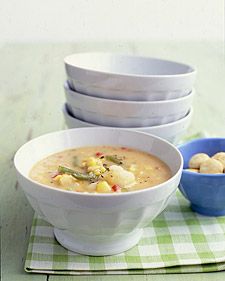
(131, 193)
(188, 115)
(132, 102)
(193, 70)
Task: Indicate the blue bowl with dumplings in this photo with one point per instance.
(206, 192)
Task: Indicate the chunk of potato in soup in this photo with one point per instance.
(101, 169)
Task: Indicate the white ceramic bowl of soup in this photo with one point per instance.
(97, 224)
(128, 77)
(172, 132)
(117, 113)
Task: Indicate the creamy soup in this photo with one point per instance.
(101, 169)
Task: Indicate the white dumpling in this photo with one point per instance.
(211, 166)
(120, 176)
(220, 156)
(197, 159)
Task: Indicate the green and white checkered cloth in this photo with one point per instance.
(177, 241)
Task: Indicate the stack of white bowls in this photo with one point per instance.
(137, 93)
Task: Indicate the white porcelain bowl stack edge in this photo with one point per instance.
(125, 91)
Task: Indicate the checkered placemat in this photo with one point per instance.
(179, 240)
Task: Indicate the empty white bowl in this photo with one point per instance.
(126, 77)
(172, 132)
(117, 113)
(97, 224)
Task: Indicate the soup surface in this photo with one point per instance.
(101, 169)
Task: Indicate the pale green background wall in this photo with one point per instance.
(106, 20)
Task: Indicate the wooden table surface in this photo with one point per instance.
(31, 99)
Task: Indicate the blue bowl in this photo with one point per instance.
(205, 192)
